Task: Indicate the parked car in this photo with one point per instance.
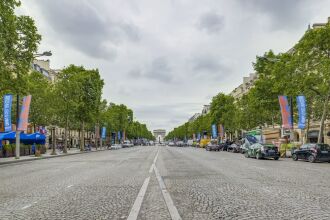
(312, 152)
(179, 144)
(116, 146)
(234, 148)
(212, 146)
(171, 144)
(190, 142)
(224, 146)
(127, 143)
(247, 141)
(260, 151)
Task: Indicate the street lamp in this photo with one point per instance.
(45, 53)
(18, 140)
(53, 141)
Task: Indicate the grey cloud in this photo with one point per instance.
(80, 25)
(136, 73)
(284, 14)
(209, 65)
(159, 69)
(211, 22)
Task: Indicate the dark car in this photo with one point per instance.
(224, 146)
(312, 152)
(260, 151)
(212, 146)
(234, 148)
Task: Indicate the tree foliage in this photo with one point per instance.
(304, 70)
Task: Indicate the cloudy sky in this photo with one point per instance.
(165, 59)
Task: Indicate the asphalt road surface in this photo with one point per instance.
(164, 183)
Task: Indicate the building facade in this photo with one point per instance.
(159, 135)
(206, 109)
(43, 66)
(194, 117)
(247, 84)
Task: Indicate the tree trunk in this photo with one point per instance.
(65, 148)
(307, 129)
(69, 139)
(96, 136)
(324, 116)
(82, 137)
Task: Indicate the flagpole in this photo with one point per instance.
(17, 150)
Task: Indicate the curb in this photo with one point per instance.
(49, 157)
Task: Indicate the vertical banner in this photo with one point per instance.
(301, 104)
(7, 103)
(24, 114)
(194, 136)
(97, 132)
(103, 132)
(214, 131)
(285, 112)
(198, 136)
(119, 135)
(221, 131)
(113, 137)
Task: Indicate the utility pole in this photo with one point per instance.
(291, 112)
(17, 150)
(53, 141)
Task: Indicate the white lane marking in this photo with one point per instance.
(69, 186)
(151, 168)
(27, 206)
(168, 200)
(155, 159)
(138, 201)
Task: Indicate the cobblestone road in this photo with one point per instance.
(202, 185)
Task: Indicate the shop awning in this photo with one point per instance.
(36, 138)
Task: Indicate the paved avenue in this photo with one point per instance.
(164, 183)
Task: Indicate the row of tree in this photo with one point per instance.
(73, 101)
(303, 70)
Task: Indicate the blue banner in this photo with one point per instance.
(214, 131)
(301, 104)
(198, 136)
(7, 103)
(119, 135)
(103, 132)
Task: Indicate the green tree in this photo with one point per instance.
(41, 109)
(223, 111)
(18, 42)
(313, 55)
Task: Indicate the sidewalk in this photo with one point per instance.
(47, 155)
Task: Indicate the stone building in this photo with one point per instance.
(247, 84)
(159, 135)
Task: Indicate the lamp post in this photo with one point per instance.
(18, 140)
(53, 141)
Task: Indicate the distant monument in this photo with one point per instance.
(159, 134)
